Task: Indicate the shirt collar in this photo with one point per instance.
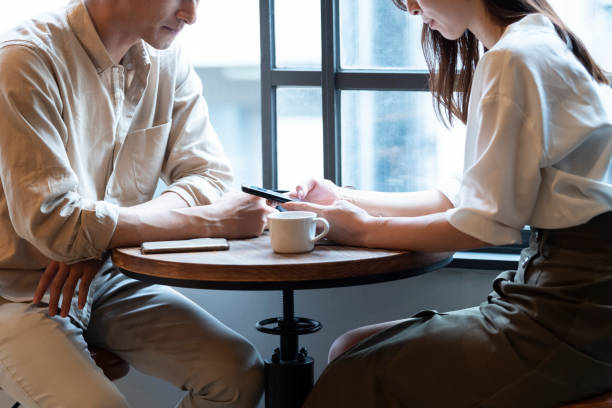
(85, 31)
(531, 23)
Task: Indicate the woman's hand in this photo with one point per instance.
(61, 280)
(317, 191)
(348, 224)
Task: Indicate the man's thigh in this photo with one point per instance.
(162, 333)
(44, 361)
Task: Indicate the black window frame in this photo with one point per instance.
(331, 79)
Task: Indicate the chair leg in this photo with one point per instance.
(15, 405)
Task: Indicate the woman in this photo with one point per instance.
(538, 153)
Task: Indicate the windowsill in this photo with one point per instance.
(484, 260)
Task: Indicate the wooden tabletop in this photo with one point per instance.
(251, 264)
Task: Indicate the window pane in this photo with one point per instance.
(14, 12)
(376, 34)
(224, 47)
(392, 141)
(591, 20)
(221, 36)
(300, 135)
(298, 33)
(234, 106)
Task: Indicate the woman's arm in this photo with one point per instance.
(410, 204)
(374, 203)
(427, 233)
(352, 225)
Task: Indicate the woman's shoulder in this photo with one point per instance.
(531, 54)
(533, 45)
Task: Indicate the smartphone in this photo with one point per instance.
(185, 245)
(265, 193)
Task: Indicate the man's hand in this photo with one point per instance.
(237, 215)
(61, 279)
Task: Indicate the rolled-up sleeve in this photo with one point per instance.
(197, 167)
(41, 189)
(502, 176)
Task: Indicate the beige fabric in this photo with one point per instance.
(77, 141)
(539, 139)
(156, 330)
(65, 348)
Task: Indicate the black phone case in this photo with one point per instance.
(265, 193)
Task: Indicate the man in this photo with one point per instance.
(96, 105)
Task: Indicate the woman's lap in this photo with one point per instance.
(540, 339)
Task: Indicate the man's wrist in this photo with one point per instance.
(195, 221)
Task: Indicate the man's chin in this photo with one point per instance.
(160, 45)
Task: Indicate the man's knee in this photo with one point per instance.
(245, 370)
(240, 357)
(238, 376)
(101, 396)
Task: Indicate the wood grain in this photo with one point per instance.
(252, 260)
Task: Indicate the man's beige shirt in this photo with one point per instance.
(81, 136)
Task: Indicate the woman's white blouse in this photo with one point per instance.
(539, 139)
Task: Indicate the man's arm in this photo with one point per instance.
(236, 215)
(43, 199)
(195, 166)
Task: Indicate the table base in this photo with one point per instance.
(289, 374)
(288, 383)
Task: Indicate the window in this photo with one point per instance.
(373, 125)
(357, 132)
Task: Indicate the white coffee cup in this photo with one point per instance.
(293, 232)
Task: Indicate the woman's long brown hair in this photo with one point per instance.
(452, 63)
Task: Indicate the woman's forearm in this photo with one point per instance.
(411, 204)
(424, 233)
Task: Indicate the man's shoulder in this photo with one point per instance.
(41, 33)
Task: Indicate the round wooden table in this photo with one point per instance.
(250, 264)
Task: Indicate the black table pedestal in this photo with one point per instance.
(289, 374)
(288, 382)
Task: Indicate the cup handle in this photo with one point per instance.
(325, 229)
